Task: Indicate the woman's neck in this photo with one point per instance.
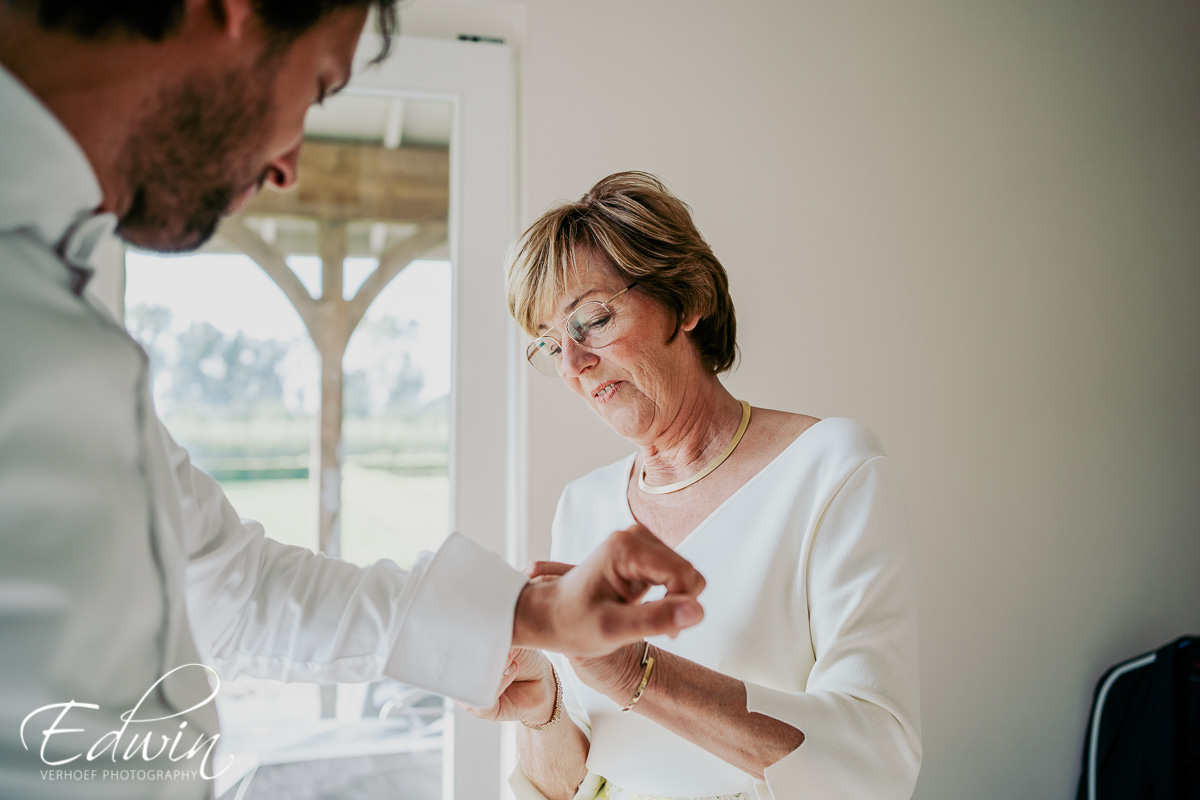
(699, 429)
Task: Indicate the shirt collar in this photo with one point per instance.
(47, 184)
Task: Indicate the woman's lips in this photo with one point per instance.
(604, 392)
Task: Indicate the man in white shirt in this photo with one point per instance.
(121, 565)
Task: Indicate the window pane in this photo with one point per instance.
(396, 489)
(237, 368)
(233, 368)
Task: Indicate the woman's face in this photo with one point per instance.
(637, 383)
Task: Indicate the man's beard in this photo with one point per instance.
(191, 155)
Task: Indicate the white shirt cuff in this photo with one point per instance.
(458, 630)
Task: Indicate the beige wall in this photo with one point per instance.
(975, 227)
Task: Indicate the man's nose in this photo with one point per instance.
(576, 359)
(284, 170)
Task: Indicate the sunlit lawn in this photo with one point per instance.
(383, 515)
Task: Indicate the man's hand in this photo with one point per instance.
(527, 690)
(595, 608)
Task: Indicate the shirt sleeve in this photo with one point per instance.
(278, 611)
(860, 710)
(523, 788)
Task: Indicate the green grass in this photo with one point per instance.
(283, 437)
(384, 515)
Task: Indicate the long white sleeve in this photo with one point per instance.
(279, 611)
(860, 709)
(810, 602)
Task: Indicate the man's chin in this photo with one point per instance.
(166, 238)
(242, 198)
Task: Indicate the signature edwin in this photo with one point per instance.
(144, 746)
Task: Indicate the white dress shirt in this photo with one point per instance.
(120, 561)
(810, 601)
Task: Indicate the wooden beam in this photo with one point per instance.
(273, 263)
(391, 264)
(342, 181)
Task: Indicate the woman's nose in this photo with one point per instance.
(576, 358)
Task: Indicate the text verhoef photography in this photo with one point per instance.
(138, 749)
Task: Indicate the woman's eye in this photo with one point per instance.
(598, 321)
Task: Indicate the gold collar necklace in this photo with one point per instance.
(718, 461)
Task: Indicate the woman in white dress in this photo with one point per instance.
(801, 682)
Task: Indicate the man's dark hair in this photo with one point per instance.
(157, 19)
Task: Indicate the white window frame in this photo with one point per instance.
(477, 79)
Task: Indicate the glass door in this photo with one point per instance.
(324, 358)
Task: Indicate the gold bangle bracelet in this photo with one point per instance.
(647, 664)
(558, 706)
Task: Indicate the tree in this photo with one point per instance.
(232, 377)
(391, 382)
(151, 326)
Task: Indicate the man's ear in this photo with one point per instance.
(690, 322)
(230, 15)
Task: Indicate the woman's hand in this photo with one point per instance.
(527, 691)
(594, 608)
(616, 675)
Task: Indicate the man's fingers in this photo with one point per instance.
(539, 569)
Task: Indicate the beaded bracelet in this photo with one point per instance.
(558, 706)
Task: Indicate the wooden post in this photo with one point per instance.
(340, 183)
(331, 347)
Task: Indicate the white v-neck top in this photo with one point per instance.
(810, 601)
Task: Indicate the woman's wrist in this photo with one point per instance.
(646, 663)
(549, 712)
(632, 672)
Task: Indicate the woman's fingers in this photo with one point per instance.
(641, 560)
(523, 691)
(547, 569)
(665, 617)
(594, 608)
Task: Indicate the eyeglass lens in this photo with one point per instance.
(592, 325)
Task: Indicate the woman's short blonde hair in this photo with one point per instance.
(647, 235)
